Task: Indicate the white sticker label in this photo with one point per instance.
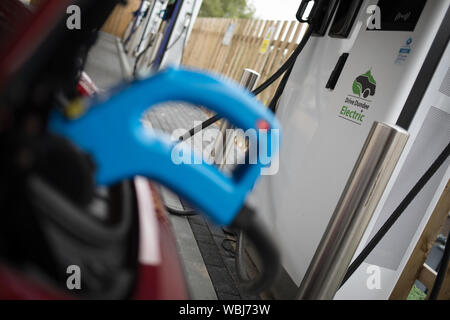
(229, 34)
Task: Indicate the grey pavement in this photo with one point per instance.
(103, 63)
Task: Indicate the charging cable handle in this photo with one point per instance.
(111, 131)
(247, 222)
(315, 8)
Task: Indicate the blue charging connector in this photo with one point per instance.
(112, 133)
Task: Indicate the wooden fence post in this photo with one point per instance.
(416, 269)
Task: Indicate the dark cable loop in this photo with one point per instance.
(247, 222)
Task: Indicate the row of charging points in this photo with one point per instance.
(159, 37)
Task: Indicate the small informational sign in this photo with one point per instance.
(229, 34)
(404, 52)
(267, 39)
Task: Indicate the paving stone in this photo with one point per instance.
(226, 296)
(200, 229)
(202, 234)
(210, 254)
(204, 239)
(197, 219)
(215, 229)
(222, 281)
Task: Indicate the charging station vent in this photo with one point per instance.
(445, 86)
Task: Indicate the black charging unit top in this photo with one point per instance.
(320, 15)
(400, 15)
(345, 18)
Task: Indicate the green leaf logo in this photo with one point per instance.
(364, 85)
(368, 74)
(357, 88)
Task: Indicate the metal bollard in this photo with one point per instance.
(248, 80)
(353, 212)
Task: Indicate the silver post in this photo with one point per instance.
(248, 80)
(353, 212)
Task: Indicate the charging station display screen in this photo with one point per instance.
(400, 15)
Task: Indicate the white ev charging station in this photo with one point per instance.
(342, 82)
(181, 32)
(162, 44)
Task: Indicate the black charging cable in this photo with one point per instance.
(185, 212)
(397, 213)
(246, 222)
(288, 64)
(276, 98)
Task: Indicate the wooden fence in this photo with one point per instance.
(120, 17)
(256, 44)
